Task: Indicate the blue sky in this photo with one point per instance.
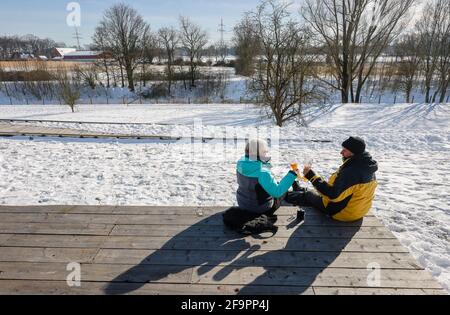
(47, 18)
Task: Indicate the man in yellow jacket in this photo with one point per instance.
(349, 193)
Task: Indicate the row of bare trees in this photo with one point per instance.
(353, 35)
(284, 70)
(420, 59)
(36, 79)
(343, 45)
(128, 40)
(433, 48)
(11, 45)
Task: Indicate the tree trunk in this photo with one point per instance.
(278, 118)
(345, 83)
(121, 73)
(143, 74)
(408, 93)
(169, 76)
(443, 93)
(352, 93)
(129, 69)
(427, 94)
(344, 96)
(192, 73)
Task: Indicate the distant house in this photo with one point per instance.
(86, 56)
(59, 53)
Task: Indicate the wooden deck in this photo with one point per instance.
(13, 130)
(157, 250)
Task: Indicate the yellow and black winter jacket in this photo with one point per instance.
(349, 193)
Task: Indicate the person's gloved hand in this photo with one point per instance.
(306, 170)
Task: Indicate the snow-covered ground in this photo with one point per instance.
(411, 142)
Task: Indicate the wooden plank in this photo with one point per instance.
(4, 238)
(377, 291)
(213, 243)
(283, 232)
(28, 129)
(58, 209)
(12, 128)
(61, 228)
(303, 277)
(218, 221)
(55, 241)
(316, 277)
(96, 272)
(256, 258)
(202, 243)
(27, 254)
(215, 220)
(140, 210)
(58, 218)
(27, 287)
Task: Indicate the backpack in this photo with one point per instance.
(249, 223)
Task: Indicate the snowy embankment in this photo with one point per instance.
(411, 142)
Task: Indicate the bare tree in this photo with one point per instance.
(100, 40)
(408, 51)
(354, 33)
(125, 31)
(88, 74)
(193, 39)
(428, 28)
(247, 46)
(169, 40)
(281, 81)
(69, 87)
(150, 51)
(443, 65)
(9, 45)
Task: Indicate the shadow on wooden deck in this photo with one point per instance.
(232, 253)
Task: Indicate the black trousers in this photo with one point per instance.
(303, 198)
(315, 200)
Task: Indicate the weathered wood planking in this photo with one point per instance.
(257, 258)
(283, 232)
(33, 254)
(214, 258)
(311, 245)
(26, 287)
(55, 241)
(56, 228)
(186, 250)
(189, 231)
(329, 277)
(139, 210)
(231, 275)
(215, 220)
(212, 243)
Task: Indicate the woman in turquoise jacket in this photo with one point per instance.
(258, 191)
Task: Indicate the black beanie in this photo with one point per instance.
(355, 145)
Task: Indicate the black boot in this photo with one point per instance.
(297, 198)
(297, 187)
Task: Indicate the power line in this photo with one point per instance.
(222, 46)
(222, 31)
(78, 36)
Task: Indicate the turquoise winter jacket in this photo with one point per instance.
(257, 187)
